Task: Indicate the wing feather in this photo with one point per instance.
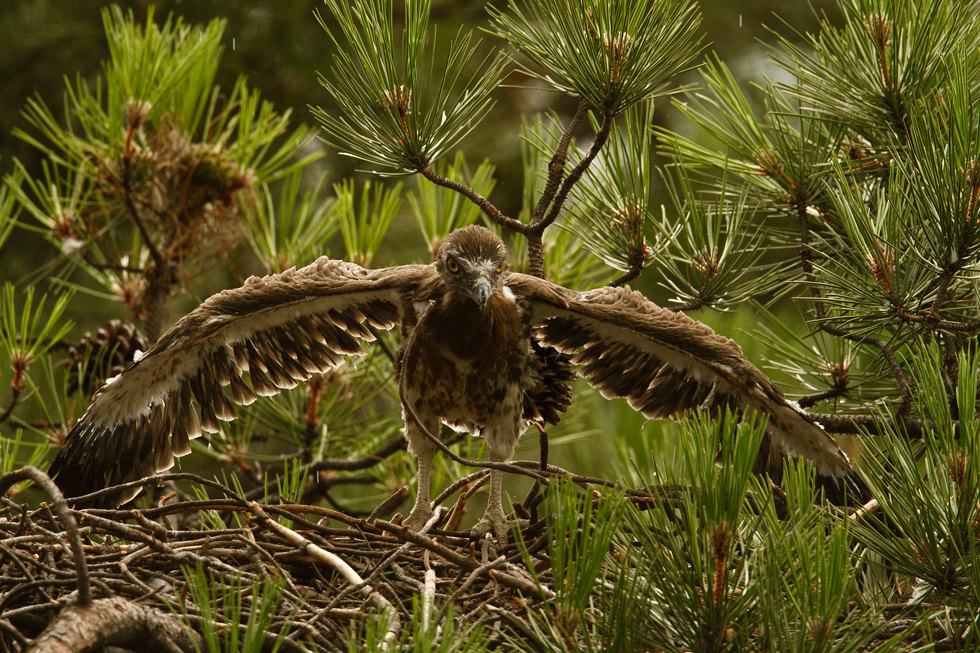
(665, 363)
(280, 330)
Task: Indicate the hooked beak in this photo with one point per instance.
(480, 292)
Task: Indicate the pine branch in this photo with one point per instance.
(485, 205)
(535, 246)
(556, 167)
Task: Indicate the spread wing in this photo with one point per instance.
(280, 330)
(665, 363)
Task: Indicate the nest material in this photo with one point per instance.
(335, 571)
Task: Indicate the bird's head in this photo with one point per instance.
(473, 261)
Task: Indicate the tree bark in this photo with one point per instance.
(114, 622)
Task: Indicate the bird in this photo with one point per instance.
(484, 350)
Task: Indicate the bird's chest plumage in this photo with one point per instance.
(465, 364)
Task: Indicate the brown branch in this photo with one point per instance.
(14, 400)
(904, 386)
(534, 231)
(394, 444)
(134, 214)
(407, 534)
(488, 209)
(839, 389)
(862, 424)
(600, 141)
(637, 259)
(115, 622)
(939, 325)
(556, 167)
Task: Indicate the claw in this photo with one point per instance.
(501, 528)
(418, 517)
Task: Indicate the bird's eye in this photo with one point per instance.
(452, 265)
(500, 268)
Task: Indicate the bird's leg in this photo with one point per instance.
(423, 449)
(423, 509)
(502, 435)
(500, 448)
(494, 518)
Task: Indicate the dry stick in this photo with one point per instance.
(395, 499)
(14, 633)
(44, 482)
(159, 478)
(448, 554)
(23, 569)
(428, 593)
(442, 551)
(317, 553)
(865, 511)
(296, 511)
(468, 583)
(466, 480)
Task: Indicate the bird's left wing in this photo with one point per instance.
(280, 329)
(665, 363)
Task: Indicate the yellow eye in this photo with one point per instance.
(452, 265)
(500, 268)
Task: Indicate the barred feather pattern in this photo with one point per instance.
(275, 332)
(269, 335)
(664, 363)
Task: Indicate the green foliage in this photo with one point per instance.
(219, 604)
(293, 232)
(144, 177)
(399, 114)
(8, 209)
(38, 329)
(372, 635)
(938, 481)
(613, 53)
(612, 209)
(888, 63)
(365, 225)
(851, 188)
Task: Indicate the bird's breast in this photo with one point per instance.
(465, 362)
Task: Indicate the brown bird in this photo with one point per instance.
(480, 357)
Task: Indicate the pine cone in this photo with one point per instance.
(95, 358)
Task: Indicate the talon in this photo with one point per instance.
(500, 528)
(418, 518)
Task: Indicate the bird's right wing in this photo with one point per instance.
(280, 330)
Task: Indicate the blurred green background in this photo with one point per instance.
(280, 47)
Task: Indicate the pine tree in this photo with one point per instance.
(840, 206)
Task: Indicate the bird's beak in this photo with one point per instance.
(480, 292)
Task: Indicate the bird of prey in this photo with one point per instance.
(481, 357)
